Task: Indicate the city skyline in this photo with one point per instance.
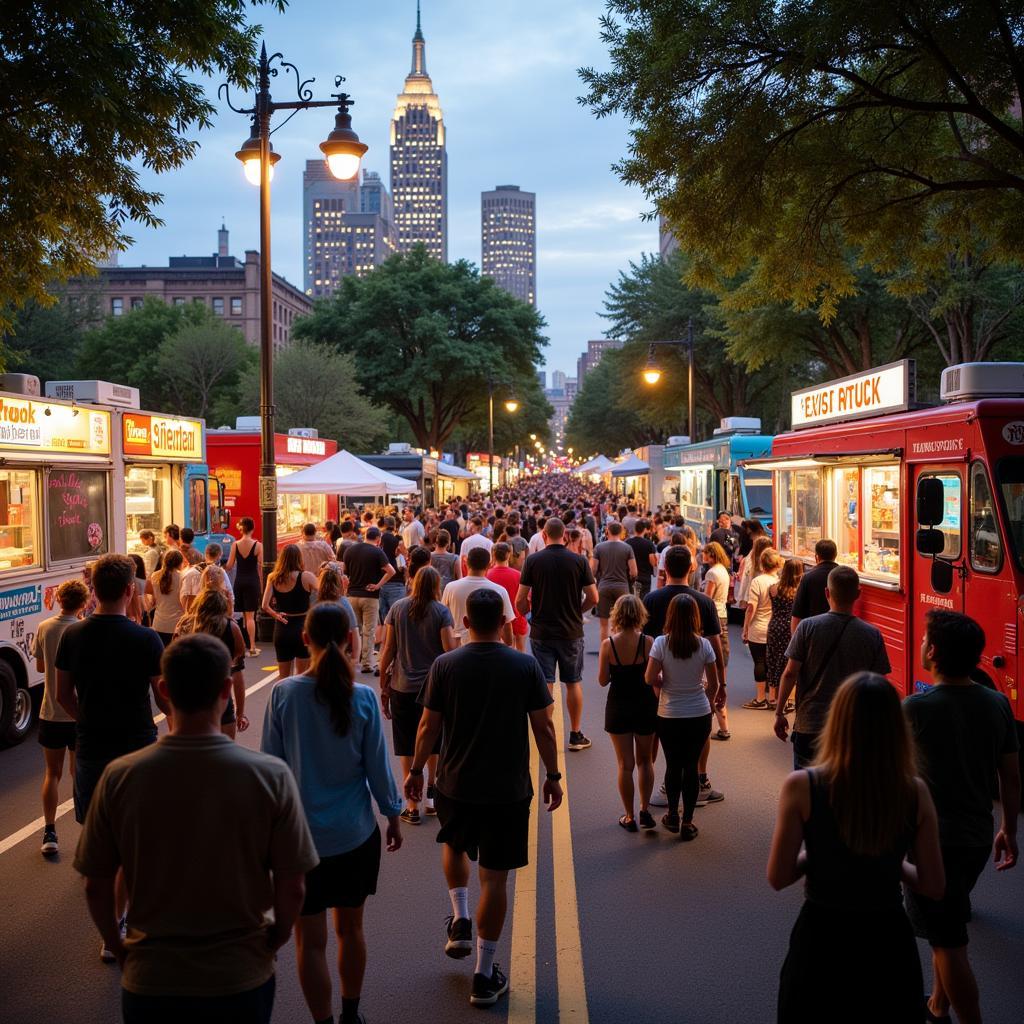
(509, 89)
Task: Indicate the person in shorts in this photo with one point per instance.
(556, 589)
(56, 726)
(615, 569)
(966, 738)
(480, 698)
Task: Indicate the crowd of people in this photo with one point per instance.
(467, 619)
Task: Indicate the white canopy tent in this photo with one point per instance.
(631, 465)
(344, 474)
(598, 464)
(455, 472)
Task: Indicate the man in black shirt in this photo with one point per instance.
(368, 569)
(810, 596)
(646, 556)
(727, 535)
(550, 588)
(451, 526)
(484, 699)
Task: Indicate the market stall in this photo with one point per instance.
(344, 474)
(629, 477)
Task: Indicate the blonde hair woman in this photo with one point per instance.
(716, 586)
(756, 618)
(631, 711)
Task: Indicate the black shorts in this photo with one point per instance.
(606, 600)
(638, 717)
(288, 643)
(497, 834)
(344, 880)
(247, 596)
(57, 735)
(944, 922)
(406, 712)
(228, 718)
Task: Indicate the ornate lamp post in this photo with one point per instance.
(652, 372)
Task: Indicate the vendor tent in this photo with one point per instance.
(344, 474)
(598, 464)
(631, 465)
(455, 472)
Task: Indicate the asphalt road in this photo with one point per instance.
(605, 926)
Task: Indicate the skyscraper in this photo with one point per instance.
(508, 240)
(419, 162)
(347, 227)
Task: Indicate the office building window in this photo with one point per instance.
(218, 305)
(116, 307)
(179, 300)
(236, 305)
(137, 302)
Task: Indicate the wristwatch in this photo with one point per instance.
(554, 776)
(415, 771)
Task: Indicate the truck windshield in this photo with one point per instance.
(1010, 474)
(758, 484)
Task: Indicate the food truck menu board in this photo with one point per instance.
(29, 425)
(76, 503)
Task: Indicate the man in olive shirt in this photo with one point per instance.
(204, 863)
(615, 570)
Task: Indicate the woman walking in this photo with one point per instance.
(163, 596)
(332, 586)
(779, 626)
(246, 558)
(859, 812)
(328, 730)
(286, 600)
(444, 561)
(631, 711)
(716, 586)
(417, 631)
(755, 622)
(677, 669)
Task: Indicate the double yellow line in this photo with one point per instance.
(572, 993)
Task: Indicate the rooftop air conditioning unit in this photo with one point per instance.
(679, 439)
(20, 384)
(982, 380)
(247, 423)
(94, 392)
(304, 432)
(399, 448)
(739, 425)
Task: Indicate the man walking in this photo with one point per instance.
(825, 650)
(556, 589)
(474, 539)
(646, 556)
(412, 529)
(205, 863)
(615, 570)
(313, 550)
(484, 699)
(368, 569)
(456, 596)
(966, 737)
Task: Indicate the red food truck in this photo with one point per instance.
(927, 504)
(233, 456)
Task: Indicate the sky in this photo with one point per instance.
(506, 77)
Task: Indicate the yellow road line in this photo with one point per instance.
(522, 995)
(572, 990)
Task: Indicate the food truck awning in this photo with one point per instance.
(632, 465)
(823, 459)
(454, 472)
(344, 474)
(598, 464)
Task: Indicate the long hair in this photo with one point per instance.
(173, 561)
(327, 628)
(761, 545)
(289, 560)
(789, 578)
(867, 755)
(329, 586)
(426, 589)
(715, 553)
(682, 626)
(209, 614)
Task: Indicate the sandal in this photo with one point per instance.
(629, 824)
(722, 734)
(687, 832)
(671, 822)
(756, 705)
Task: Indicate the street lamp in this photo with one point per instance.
(343, 152)
(651, 372)
(511, 404)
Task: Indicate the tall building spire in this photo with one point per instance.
(419, 49)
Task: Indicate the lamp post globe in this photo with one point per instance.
(342, 147)
(511, 404)
(249, 155)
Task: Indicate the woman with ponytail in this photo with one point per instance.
(328, 729)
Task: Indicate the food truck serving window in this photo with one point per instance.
(881, 546)
(986, 545)
(295, 510)
(76, 514)
(147, 501)
(800, 522)
(19, 548)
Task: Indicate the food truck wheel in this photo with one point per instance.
(15, 707)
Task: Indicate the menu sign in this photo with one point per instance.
(875, 392)
(76, 512)
(162, 437)
(28, 424)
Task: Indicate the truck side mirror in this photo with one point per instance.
(225, 521)
(929, 542)
(930, 501)
(942, 576)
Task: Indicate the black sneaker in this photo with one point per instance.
(460, 937)
(646, 820)
(577, 741)
(486, 991)
(49, 841)
(410, 816)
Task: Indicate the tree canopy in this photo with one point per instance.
(88, 92)
(785, 133)
(426, 336)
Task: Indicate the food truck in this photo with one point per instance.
(927, 504)
(234, 458)
(714, 479)
(68, 462)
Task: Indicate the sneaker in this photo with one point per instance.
(49, 841)
(659, 799)
(671, 822)
(707, 795)
(410, 816)
(376, 670)
(789, 708)
(429, 804)
(721, 734)
(460, 937)
(577, 741)
(756, 705)
(254, 652)
(486, 991)
(646, 820)
(366, 670)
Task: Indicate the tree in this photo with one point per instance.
(791, 132)
(200, 365)
(601, 418)
(510, 429)
(315, 386)
(88, 93)
(426, 335)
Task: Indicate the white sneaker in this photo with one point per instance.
(659, 799)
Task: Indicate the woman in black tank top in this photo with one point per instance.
(286, 600)
(248, 585)
(630, 714)
(863, 816)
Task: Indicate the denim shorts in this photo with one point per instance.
(565, 655)
(389, 594)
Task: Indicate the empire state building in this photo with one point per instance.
(419, 163)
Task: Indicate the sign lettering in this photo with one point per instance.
(168, 437)
(886, 389)
(45, 427)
